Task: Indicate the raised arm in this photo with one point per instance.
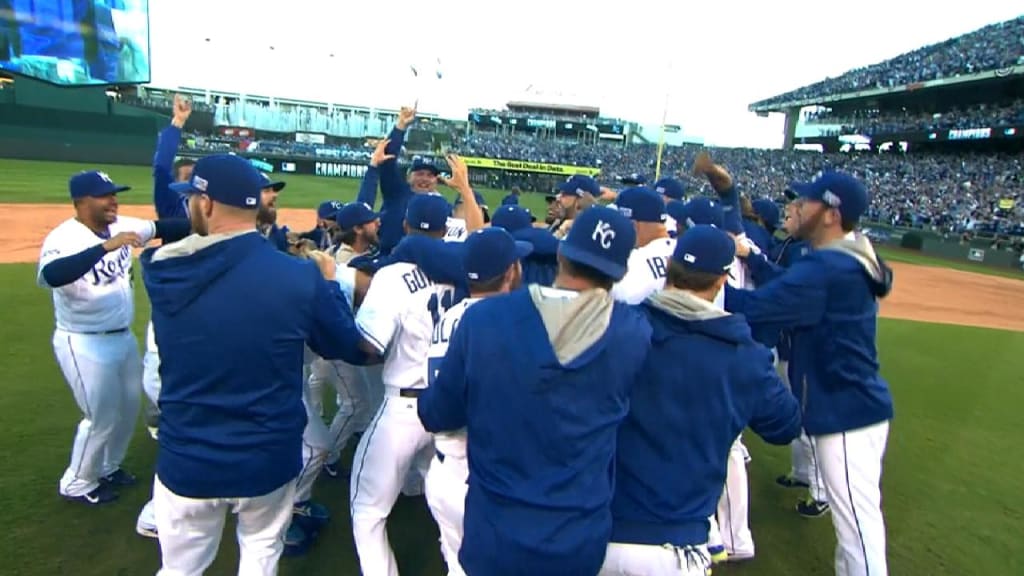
(169, 204)
(58, 268)
(460, 182)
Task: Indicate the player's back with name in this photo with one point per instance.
(646, 271)
(102, 298)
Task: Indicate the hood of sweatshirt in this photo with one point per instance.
(687, 313)
(860, 249)
(574, 321)
(178, 273)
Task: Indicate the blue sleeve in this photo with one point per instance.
(334, 335)
(796, 298)
(168, 204)
(442, 406)
(172, 229)
(733, 217)
(368, 187)
(441, 261)
(66, 270)
(776, 416)
(395, 194)
(761, 269)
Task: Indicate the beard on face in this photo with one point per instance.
(266, 215)
(808, 227)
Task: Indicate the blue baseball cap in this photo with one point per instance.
(578, 185)
(602, 239)
(226, 179)
(355, 214)
(510, 199)
(275, 185)
(705, 248)
(328, 210)
(641, 204)
(700, 210)
(93, 183)
(768, 211)
(634, 179)
(670, 188)
(419, 163)
(428, 212)
(479, 199)
(513, 217)
(488, 252)
(836, 189)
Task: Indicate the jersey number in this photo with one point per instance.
(657, 266)
(439, 304)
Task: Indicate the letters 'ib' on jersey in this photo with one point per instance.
(453, 443)
(645, 271)
(398, 316)
(102, 299)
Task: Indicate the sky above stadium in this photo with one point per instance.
(709, 61)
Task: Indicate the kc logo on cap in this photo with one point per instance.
(603, 234)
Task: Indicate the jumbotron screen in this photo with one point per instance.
(76, 42)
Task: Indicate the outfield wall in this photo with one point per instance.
(977, 251)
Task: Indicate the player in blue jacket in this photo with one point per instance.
(231, 316)
(541, 265)
(541, 415)
(829, 299)
(673, 446)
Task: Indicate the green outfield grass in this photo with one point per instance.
(911, 257)
(951, 484)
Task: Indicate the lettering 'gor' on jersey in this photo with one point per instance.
(397, 317)
(645, 271)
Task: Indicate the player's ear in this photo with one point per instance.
(405, 226)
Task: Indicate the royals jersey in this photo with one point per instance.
(397, 317)
(102, 300)
(671, 227)
(456, 230)
(451, 443)
(645, 271)
(739, 276)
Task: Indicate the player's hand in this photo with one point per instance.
(379, 157)
(742, 248)
(405, 117)
(182, 110)
(328, 267)
(460, 173)
(123, 239)
(703, 164)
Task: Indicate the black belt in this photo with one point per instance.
(410, 392)
(104, 332)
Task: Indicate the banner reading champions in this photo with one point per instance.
(524, 166)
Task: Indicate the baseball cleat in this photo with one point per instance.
(152, 432)
(119, 478)
(310, 515)
(740, 557)
(100, 495)
(789, 481)
(718, 554)
(335, 470)
(296, 541)
(146, 530)
(811, 508)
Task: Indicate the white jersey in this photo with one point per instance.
(398, 316)
(670, 225)
(451, 443)
(739, 276)
(103, 299)
(456, 230)
(645, 272)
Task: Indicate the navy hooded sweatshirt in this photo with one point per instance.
(703, 382)
(231, 316)
(541, 418)
(541, 265)
(829, 300)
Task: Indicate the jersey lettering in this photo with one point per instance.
(456, 232)
(415, 280)
(109, 270)
(657, 266)
(443, 330)
(439, 304)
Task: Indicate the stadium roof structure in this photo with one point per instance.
(914, 70)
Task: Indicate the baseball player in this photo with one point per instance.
(266, 213)
(457, 221)
(829, 299)
(86, 261)
(670, 190)
(323, 234)
(671, 449)
(231, 410)
(648, 262)
(541, 416)
(396, 318)
(491, 259)
(541, 265)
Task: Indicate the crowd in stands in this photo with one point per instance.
(994, 47)
(874, 122)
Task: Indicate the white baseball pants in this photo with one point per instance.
(104, 372)
(804, 467)
(734, 504)
(151, 378)
(851, 466)
(393, 445)
(373, 379)
(316, 444)
(445, 487)
(650, 560)
(351, 393)
(190, 530)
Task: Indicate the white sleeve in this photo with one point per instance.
(146, 229)
(53, 248)
(345, 275)
(379, 314)
(631, 289)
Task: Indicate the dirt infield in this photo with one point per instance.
(921, 293)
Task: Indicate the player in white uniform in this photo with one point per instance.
(492, 266)
(87, 262)
(648, 262)
(457, 221)
(396, 318)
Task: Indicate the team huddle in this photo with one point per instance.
(570, 395)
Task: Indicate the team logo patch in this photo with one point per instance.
(603, 234)
(830, 198)
(200, 183)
